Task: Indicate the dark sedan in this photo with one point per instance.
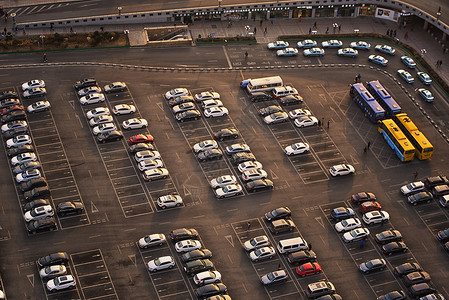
(394, 295)
(270, 110)
(180, 100)
(211, 154)
(443, 235)
(69, 208)
(210, 290)
(8, 94)
(7, 110)
(278, 213)
(109, 136)
(20, 149)
(183, 234)
(406, 268)
(362, 197)
(35, 203)
(15, 132)
(226, 134)
(394, 247)
(33, 183)
(141, 147)
(388, 236)
(291, 99)
(241, 157)
(301, 257)
(53, 259)
(188, 115)
(259, 185)
(196, 254)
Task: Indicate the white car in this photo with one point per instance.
(52, 271)
(100, 120)
(149, 164)
(152, 240)
(207, 277)
(89, 90)
(306, 44)
(99, 111)
(211, 103)
(348, 224)
(228, 191)
(297, 148)
(146, 154)
(332, 44)
(215, 112)
(13, 125)
(176, 93)
(38, 106)
(424, 77)
(349, 52)
(124, 109)
(28, 175)
(378, 59)
(161, 263)
(187, 245)
(274, 277)
(236, 148)
(254, 174)
(61, 282)
(103, 128)
(277, 45)
(134, 123)
(342, 169)
(313, 52)
(299, 112)
(249, 165)
(287, 52)
(408, 61)
(262, 253)
(207, 96)
(385, 49)
(406, 76)
(426, 94)
(355, 235)
(92, 98)
(306, 121)
(38, 213)
(257, 242)
(34, 92)
(33, 84)
(374, 217)
(183, 107)
(22, 158)
(412, 188)
(18, 140)
(278, 117)
(169, 201)
(155, 174)
(117, 86)
(205, 145)
(223, 181)
(360, 45)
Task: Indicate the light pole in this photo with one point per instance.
(43, 47)
(119, 10)
(438, 13)
(13, 15)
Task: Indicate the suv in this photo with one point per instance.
(341, 213)
(33, 183)
(14, 116)
(47, 224)
(38, 192)
(430, 182)
(320, 288)
(440, 190)
(420, 197)
(420, 289)
(260, 96)
(85, 83)
(282, 225)
(199, 265)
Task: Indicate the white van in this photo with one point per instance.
(284, 91)
(292, 245)
(444, 201)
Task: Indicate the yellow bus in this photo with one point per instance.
(423, 148)
(397, 140)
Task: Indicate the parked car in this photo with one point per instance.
(394, 247)
(33, 183)
(89, 90)
(116, 86)
(197, 266)
(183, 234)
(207, 277)
(363, 197)
(141, 138)
(278, 213)
(242, 157)
(92, 98)
(210, 290)
(341, 170)
(188, 115)
(249, 165)
(123, 109)
(297, 113)
(9, 102)
(15, 132)
(368, 206)
(141, 147)
(180, 100)
(416, 277)
(161, 263)
(57, 258)
(378, 59)
(274, 277)
(310, 268)
(420, 197)
(412, 188)
(259, 185)
(13, 151)
(9, 109)
(22, 158)
(262, 253)
(228, 191)
(52, 271)
(155, 174)
(86, 82)
(348, 224)
(196, 254)
(37, 192)
(113, 135)
(14, 116)
(208, 95)
(356, 235)
(394, 295)
(214, 112)
(406, 268)
(8, 94)
(47, 224)
(99, 111)
(38, 213)
(28, 175)
(237, 148)
(33, 84)
(373, 265)
(61, 283)
(388, 236)
(69, 208)
(19, 140)
(176, 93)
(134, 123)
(35, 203)
(100, 120)
(13, 125)
(38, 107)
(297, 148)
(301, 257)
(306, 121)
(183, 107)
(443, 235)
(211, 154)
(341, 213)
(223, 181)
(254, 174)
(256, 242)
(156, 239)
(170, 200)
(226, 134)
(205, 145)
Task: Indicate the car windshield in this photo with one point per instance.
(253, 242)
(157, 262)
(344, 223)
(354, 233)
(369, 265)
(271, 276)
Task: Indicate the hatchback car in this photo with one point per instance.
(332, 44)
(123, 109)
(52, 271)
(274, 277)
(313, 52)
(92, 98)
(215, 112)
(28, 175)
(348, 52)
(373, 265)
(301, 257)
(363, 197)
(355, 235)
(348, 224)
(207, 277)
(416, 277)
(47, 224)
(37, 192)
(368, 206)
(19, 140)
(388, 236)
(13, 151)
(157, 239)
(117, 86)
(69, 208)
(306, 44)
(146, 155)
(406, 268)
(161, 263)
(226, 134)
(378, 59)
(38, 107)
(360, 45)
(385, 49)
(254, 175)
(421, 197)
(141, 147)
(22, 158)
(53, 259)
(61, 283)
(171, 200)
(310, 268)
(155, 174)
(14, 116)
(394, 247)
(259, 185)
(9, 109)
(341, 170)
(103, 128)
(426, 94)
(424, 77)
(262, 253)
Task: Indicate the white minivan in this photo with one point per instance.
(283, 91)
(292, 245)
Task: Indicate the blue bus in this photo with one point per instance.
(367, 103)
(384, 98)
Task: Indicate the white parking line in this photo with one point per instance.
(90, 274)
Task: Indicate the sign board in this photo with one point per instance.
(387, 14)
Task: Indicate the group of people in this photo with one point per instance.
(392, 33)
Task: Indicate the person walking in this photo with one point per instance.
(415, 174)
(394, 33)
(369, 145)
(314, 25)
(310, 30)
(45, 57)
(364, 150)
(248, 225)
(362, 244)
(328, 123)
(339, 27)
(406, 35)
(327, 30)
(246, 54)
(265, 30)
(279, 267)
(388, 32)
(261, 22)
(255, 30)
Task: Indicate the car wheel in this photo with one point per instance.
(164, 207)
(415, 203)
(428, 201)
(390, 253)
(164, 177)
(178, 204)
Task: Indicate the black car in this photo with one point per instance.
(406, 268)
(141, 147)
(259, 185)
(199, 265)
(394, 247)
(260, 96)
(59, 258)
(69, 208)
(226, 134)
(85, 83)
(113, 135)
(47, 224)
(421, 197)
(416, 277)
(37, 192)
(241, 157)
(19, 149)
(188, 115)
(373, 265)
(291, 99)
(278, 213)
(180, 100)
(394, 295)
(9, 102)
(211, 154)
(363, 197)
(388, 236)
(330, 297)
(183, 234)
(270, 110)
(443, 235)
(15, 132)
(14, 116)
(420, 290)
(26, 166)
(33, 183)
(8, 94)
(210, 290)
(430, 182)
(196, 254)
(35, 203)
(301, 257)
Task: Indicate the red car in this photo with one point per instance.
(141, 138)
(9, 109)
(309, 268)
(362, 197)
(369, 206)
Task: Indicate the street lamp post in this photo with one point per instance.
(119, 10)
(438, 13)
(13, 15)
(43, 47)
